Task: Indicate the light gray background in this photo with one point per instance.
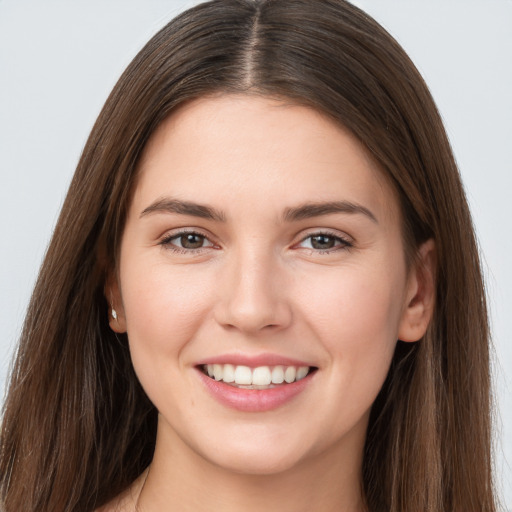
(60, 59)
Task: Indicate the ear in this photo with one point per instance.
(116, 316)
(420, 294)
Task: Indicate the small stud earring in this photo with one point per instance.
(114, 314)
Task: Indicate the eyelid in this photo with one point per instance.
(165, 240)
(347, 241)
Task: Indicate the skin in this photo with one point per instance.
(258, 284)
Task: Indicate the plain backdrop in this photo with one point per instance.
(60, 59)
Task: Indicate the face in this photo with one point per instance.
(263, 246)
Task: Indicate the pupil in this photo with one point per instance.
(191, 241)
(322, 242)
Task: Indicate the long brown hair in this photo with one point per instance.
(77, 427)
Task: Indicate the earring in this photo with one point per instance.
(114, 314)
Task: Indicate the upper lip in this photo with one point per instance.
(253, 361)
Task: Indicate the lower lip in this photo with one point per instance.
(254, 400)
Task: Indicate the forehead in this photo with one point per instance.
(218, 148)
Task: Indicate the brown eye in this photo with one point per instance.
(323, 242)
(187, 241)
(191, 241)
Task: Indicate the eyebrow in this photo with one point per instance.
(170, 205)
(309, 210)
(304, 211)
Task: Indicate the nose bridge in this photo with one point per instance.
(252, 298)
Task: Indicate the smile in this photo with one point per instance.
(255, 386)
(261, 377)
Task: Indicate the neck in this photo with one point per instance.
(180, 478)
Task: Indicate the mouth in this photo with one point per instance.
(258, 378)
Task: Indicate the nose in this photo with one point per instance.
(252, 296)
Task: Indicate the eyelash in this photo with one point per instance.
(342, 243)
(167, 242)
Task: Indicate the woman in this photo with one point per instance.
(266, 204)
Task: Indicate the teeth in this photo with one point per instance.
(229, 373)
(301, 372)
(217, 372)
(243, 375)
(278, 375)
(289, 374)
(260, 376)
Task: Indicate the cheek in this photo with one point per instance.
(353, 303)
(167, 301)
(164, 308)
(356, 317)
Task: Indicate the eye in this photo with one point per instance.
(186, 241)
(325, 242)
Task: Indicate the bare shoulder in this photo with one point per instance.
(127, 500)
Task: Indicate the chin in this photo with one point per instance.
(256, 462)
(261, 452)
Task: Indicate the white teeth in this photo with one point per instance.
(260, 376)
(278, 375)
(217, 372)
(243, 375)
(229, 373)
(289, 374)
(302, 371)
